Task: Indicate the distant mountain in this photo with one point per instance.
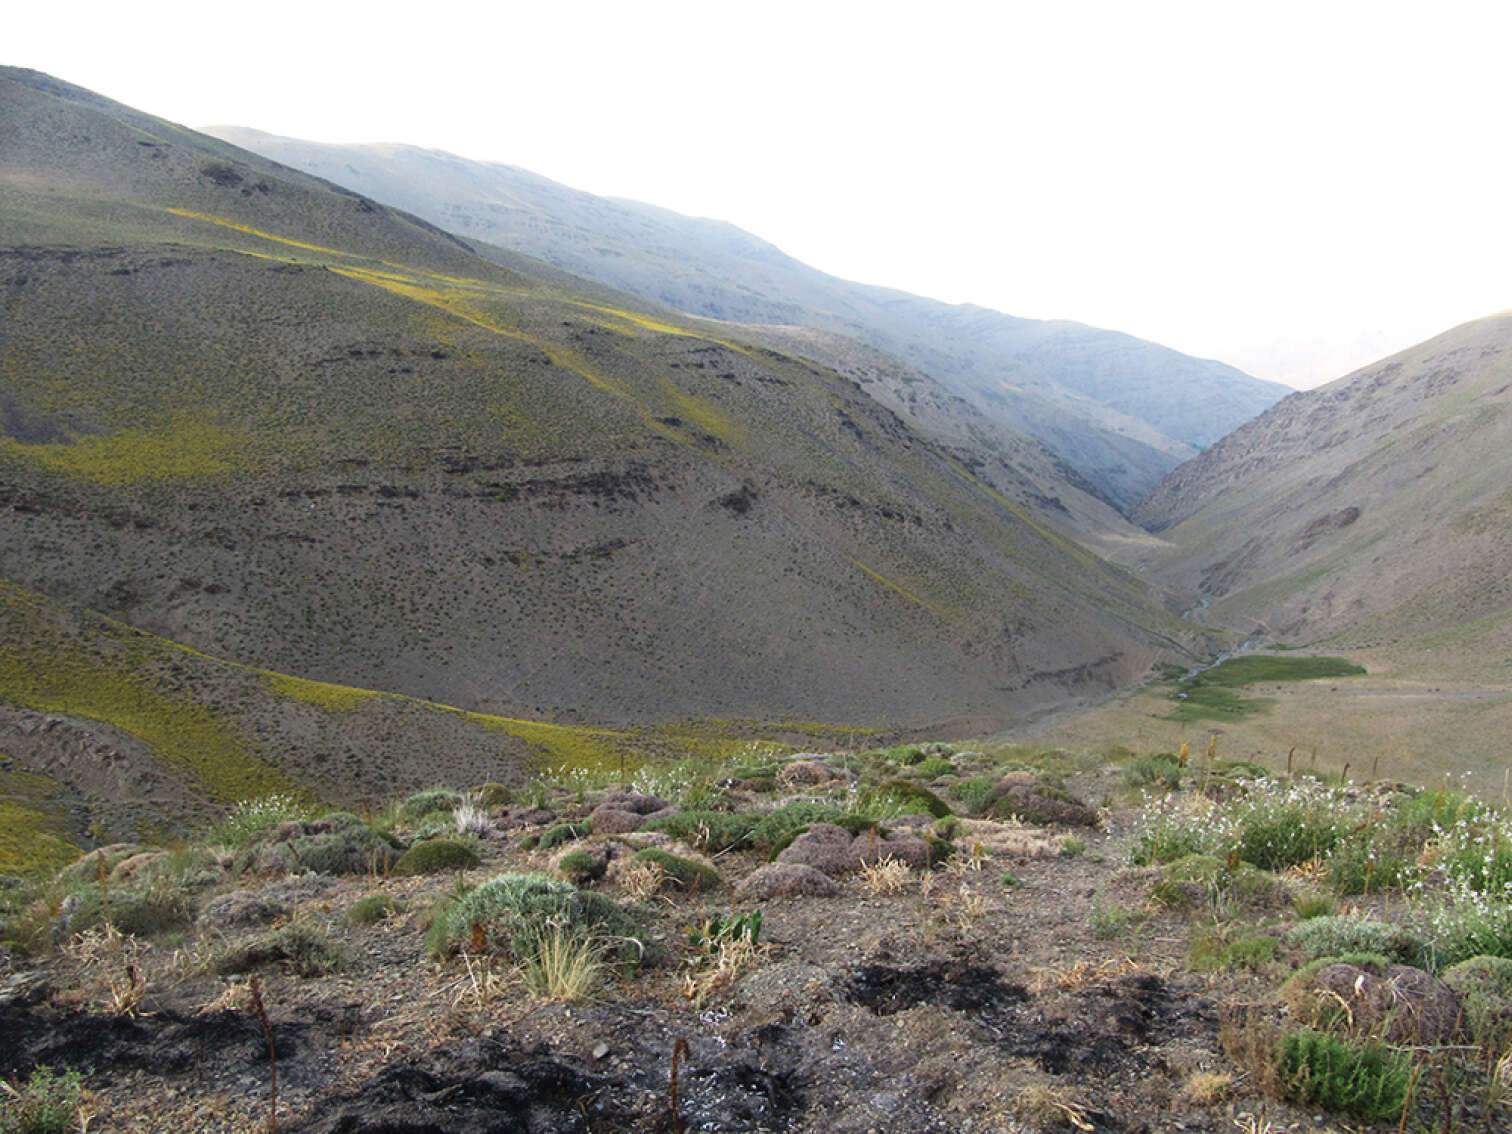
(291, 431)
(1119, 410)
(1377, 507)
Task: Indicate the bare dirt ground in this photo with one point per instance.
(1017, 988)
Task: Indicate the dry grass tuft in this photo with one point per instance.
(1044, 1105)
(727, 962)
(1207, 1088)
(1077, 975)
(641, 881)
(886, 876)
(565, 966)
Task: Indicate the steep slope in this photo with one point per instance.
(1120, 410)
(288, 427)
(1376, 507)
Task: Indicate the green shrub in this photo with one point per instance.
(773, 831)
(47, 1103)
(580, 867)
(1367, 865)
(683, 873)
(1165, 843)
(1072, 847)
(436, 855)
(561, 833)
(1277, 832)
(492, 795)
(250, 819)
(300, 948)
(1107, 918)
(710, 831)
(1484, 985)
(423, 803)
(1367, 1080)
(1471, 924)
(372, 909)
(349, 846)
(973, 794)
(1338, 935)
(715, 931)
(513, 913)
(903, 797)
(932, 767)
(1162, 771)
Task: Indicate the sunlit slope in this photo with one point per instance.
(1120, 410)
(1377, 508)
(352, 452)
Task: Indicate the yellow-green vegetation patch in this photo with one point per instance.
(257, 232)
(562, 748)
(707, 416)
(898, 588)
(33, 827)
(41, 667)
(645, 322)
(188, 447)
(337, 698)
(1209, 695)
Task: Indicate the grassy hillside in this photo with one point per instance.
(286, 427)
(1119, 410)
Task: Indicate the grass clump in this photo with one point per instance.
(423, 803)
(372, 909)
(1217, 951)
(1162, 770)
(709, 831)
(973, 794)
(1339, 935)
(902, 797)
(435, 855)
(1484, 985)
(511, 914)
(680, 873)
(46, 1103)
(933, 767)
(561, 833)
(338, 843)
(1367, 1080)
(300, 948)
(564, 966)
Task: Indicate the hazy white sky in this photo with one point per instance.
(1294, 188)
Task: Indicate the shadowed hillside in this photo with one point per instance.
(1119, 410)
(1375, 508)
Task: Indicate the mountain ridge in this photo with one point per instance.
(1369, 507)
(1054, 380)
